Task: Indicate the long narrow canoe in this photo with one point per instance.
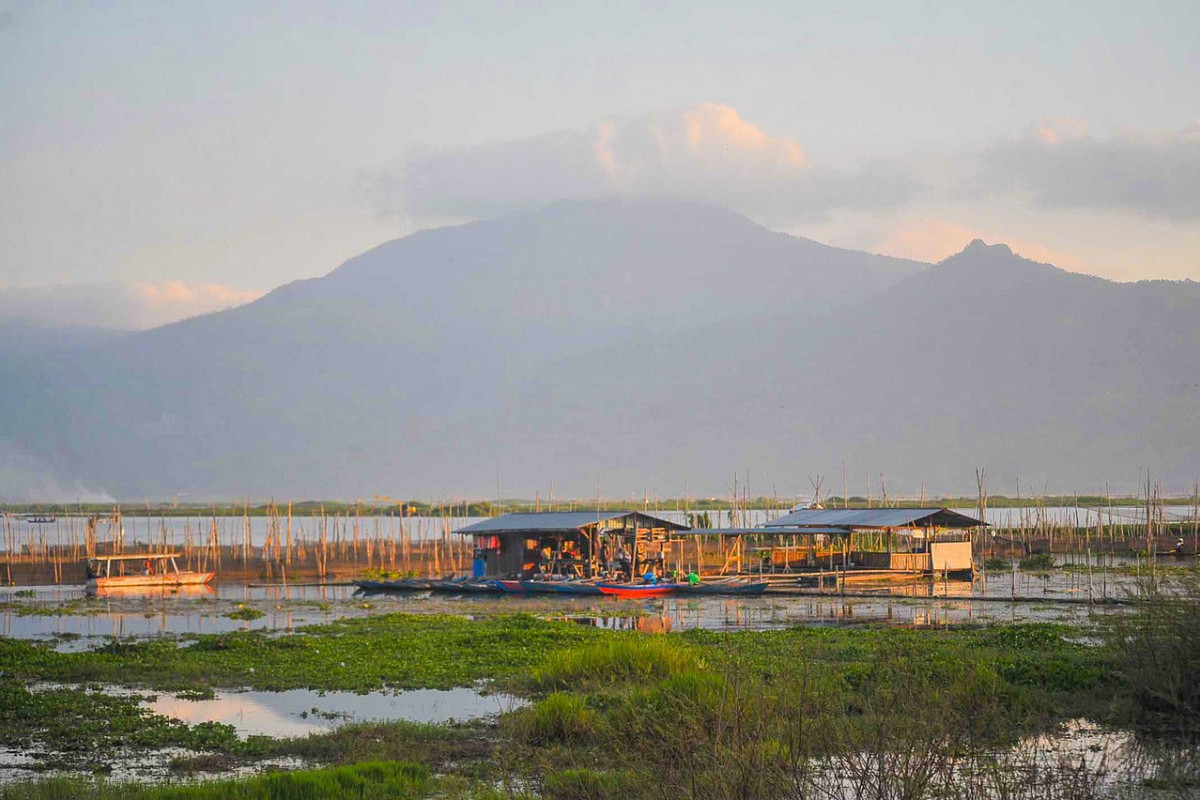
(723, 587)
(560, 587)
(462, 585)
(510, 587)
(401, 585)
(639, 589)
(478, 587)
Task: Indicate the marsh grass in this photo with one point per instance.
(367, 781)
(560, 718)
(1157, 650)
(622, 658)
(779, 715)
(804, 714)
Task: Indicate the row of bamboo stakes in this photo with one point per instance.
(317, 543)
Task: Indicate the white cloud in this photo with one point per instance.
(123, 306)
(1061, 165)
(705, 152)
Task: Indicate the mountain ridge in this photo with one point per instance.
(653, 343)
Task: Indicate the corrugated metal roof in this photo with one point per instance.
(558, 521)
(763, 531)
(875, 518)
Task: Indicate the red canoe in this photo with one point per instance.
(639, 589)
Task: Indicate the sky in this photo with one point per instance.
(210, 152)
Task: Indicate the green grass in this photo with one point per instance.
(620, 658)
(367, 781)
(396, 651)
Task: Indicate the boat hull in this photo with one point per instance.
(560, 587)
(736, 589)
(150, 581)
(402, 585)
(639, 590)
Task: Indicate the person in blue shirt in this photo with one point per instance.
(650, 577)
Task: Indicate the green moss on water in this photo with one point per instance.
(245, 613)
(391, 780)
(85, 721)
(397, 651)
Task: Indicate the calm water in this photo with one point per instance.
(299, 712)
(77, 621)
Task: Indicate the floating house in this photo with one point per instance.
(870, 542)
(580, 543)
(925, 540)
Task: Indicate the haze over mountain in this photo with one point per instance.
(642, 343)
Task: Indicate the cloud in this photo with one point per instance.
(122, 306)
(705, 152)
(933, 240)
(1061, 165)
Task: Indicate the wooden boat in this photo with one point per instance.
(576, 587)
(197, 590)
(639, 589)
(740, 588)
(538, 587)
(140, 570)
(478, 587)
(397, 585)
(462, 585)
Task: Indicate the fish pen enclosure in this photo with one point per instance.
(277, 546)
(279, 543)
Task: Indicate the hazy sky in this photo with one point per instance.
(248, 144)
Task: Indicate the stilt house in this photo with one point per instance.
(579, 543)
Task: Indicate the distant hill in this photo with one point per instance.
(1060, 380)
(642, 343)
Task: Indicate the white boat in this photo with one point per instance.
(140, 570)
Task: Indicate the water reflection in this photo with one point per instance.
(300, 712)
(66, 613)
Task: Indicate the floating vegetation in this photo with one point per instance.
(246, 613)
(1038, 562)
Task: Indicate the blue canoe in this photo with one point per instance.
(560, 587)
(726, 587)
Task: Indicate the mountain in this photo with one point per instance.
(344, 385)
(1046, 379)
(641, 344)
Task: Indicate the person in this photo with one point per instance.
(693, 579)
(650, 577)
(624, 565)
